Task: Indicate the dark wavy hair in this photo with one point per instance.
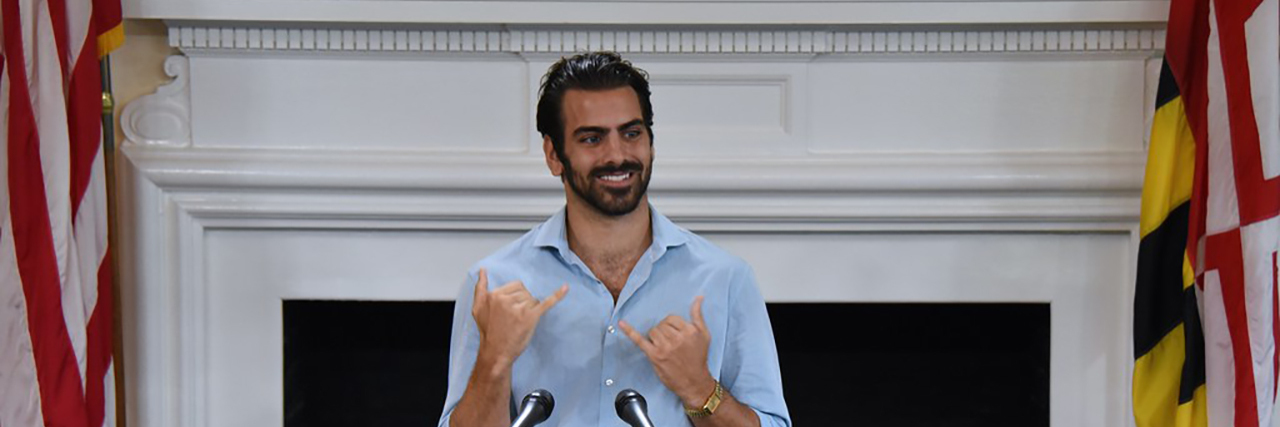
(587, 71)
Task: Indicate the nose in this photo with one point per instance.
(614, 151)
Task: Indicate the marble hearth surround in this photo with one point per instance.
(850, 151)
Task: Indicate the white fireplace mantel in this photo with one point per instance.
(850, 151)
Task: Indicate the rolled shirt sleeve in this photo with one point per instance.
(750, 368)
(464, 342)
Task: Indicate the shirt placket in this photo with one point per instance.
(610, 356)
(606, 377)
(616, 343)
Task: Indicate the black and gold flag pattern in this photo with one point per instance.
(1169, 371)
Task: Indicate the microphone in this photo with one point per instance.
(535, 409)
(632, 408)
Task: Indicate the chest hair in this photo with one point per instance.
(613, 270)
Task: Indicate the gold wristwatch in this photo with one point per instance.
(713, 402)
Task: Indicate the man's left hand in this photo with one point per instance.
(678, 351)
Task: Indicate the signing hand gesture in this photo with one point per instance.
(507, 316)
(678, 351)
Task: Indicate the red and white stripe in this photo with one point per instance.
(1231, 80)
(55, 280)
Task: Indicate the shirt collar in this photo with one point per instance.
(554, 233)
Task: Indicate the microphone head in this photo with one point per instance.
(625, 398)
(543, 397)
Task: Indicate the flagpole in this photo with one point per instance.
(108, 112)
(109, 163)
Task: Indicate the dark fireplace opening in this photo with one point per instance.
(363, 363)
(914, 364)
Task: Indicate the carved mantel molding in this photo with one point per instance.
(164, 117)
(206, 38)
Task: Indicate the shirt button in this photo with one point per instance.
(610, 329)
(608, 382)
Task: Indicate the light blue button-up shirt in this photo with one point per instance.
(583, 358)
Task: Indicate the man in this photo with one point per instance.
(589, 303)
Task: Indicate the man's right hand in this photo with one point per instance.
(507, 316)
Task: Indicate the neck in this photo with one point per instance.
(593, 235)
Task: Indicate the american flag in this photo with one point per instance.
(56, 316)
(1207, 310)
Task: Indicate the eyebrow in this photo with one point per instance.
(601, 129)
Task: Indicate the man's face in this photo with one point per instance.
(608, 154)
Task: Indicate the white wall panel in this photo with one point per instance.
(356, 265)
(977, 105)
(927, 267)
(726, 110)
(461, 105)
(723, 115)
(711, 108)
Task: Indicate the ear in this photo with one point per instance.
(553, 159)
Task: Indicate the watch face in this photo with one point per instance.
(708, 408)
(714, 401)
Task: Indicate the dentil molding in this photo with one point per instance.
(203, 37)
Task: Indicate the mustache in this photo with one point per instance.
(628, 166)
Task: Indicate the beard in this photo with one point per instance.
(610, 201)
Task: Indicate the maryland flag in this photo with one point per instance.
(56, 316)
(1205, 310)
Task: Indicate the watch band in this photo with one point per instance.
(708, 408)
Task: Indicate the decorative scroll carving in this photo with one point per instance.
(1144, 39)
(164, 117)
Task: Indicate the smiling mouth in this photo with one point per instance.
(616, 177)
